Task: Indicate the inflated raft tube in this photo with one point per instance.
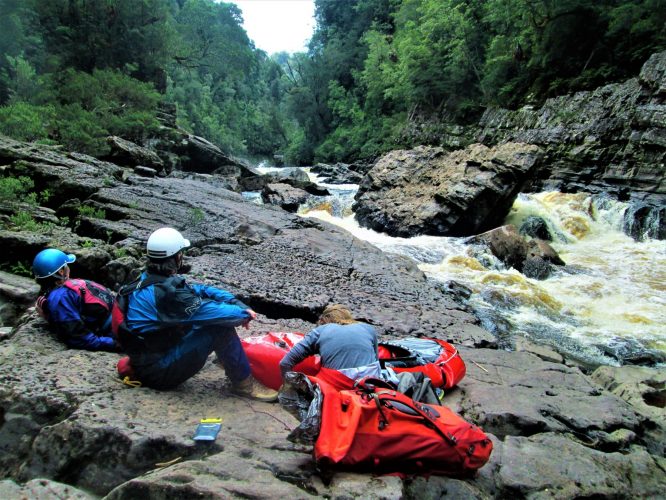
(264, 352)
(436, 359)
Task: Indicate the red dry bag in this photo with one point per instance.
(383, 431)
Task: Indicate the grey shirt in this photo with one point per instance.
(339, 346)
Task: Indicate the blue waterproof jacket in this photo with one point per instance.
(78, 326)
(160, 314)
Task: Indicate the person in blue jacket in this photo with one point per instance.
(170, 327)
(79, 324)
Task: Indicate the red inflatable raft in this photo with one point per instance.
(436, 359)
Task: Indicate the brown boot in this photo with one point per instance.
(251, 388)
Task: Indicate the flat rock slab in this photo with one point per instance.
(68, 418)
(529, 468)
(42, 489)
(280, 264)
(518, 394)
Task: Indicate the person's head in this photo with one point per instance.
(51, 265)
(164, 250)
(336, 313)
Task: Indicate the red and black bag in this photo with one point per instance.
(95, 298)
(264, 352)
(380, 430)
(436, 359)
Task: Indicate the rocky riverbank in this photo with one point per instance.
(607, 142)
(69, 427)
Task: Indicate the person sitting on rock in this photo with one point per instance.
(170, 327)
(79, 311)
(347, 348)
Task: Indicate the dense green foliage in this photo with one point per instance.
(76, 71)
(446, 60)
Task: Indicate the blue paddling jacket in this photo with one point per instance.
(160, 311)
(79, 325)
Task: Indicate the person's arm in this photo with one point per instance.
(218, 295)
(91, 342)
(376, 342)
(306, 347)
(181, 305)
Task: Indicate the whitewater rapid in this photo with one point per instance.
(606, 306)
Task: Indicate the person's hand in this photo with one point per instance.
(253, 315)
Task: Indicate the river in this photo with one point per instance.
(606, 306)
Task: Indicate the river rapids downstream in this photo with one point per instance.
(606, 306)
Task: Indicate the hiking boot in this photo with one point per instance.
(251, 388)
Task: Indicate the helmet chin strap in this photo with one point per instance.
(63, 273)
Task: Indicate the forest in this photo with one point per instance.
(73, 72)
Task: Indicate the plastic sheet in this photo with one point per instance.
(303, 400)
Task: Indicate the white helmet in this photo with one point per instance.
(165, 242)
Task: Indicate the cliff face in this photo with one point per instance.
(611, 140)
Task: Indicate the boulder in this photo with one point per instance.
(340, 173)
(145, 171)
(428, 191)
(506, 244)
(284, 196)
(294, 177)
(536, 268)
(202, 156)
(541, 249)
(532, 258)
(535, 227)
(17, 293)
(128, 154)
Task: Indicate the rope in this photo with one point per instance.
(129, 382)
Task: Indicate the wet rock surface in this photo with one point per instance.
(607, 142)
(66, 418)
(340, 173)
(534, 258)
(428, 191)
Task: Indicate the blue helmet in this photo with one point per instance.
(50, 261)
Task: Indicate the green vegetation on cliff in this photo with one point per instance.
(422, 61)
(74, 71)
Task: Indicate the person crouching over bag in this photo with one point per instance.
(169, 327)
(348, 349)
(78, 311)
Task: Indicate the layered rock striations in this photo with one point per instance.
(607, 142)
